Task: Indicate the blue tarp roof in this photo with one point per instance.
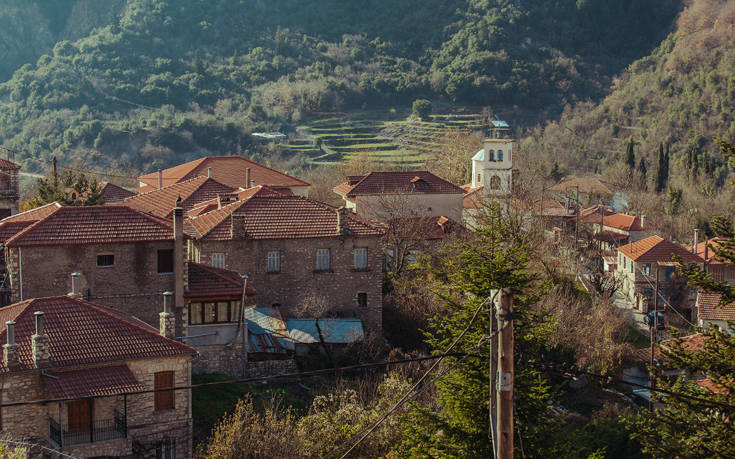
(264, 320)
(500, 124)
(334, 331)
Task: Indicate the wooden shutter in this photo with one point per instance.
(78, 415)
(163, 400)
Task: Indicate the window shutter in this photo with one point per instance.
(163, 400)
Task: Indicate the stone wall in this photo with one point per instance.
(261, 368)
(298, 280)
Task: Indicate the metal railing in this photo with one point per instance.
(97, 430)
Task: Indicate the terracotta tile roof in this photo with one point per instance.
(93, 225)
(209, 282)
(5, 164)
(692, 343)
(586, 185)
(10, 226)
(90, 382)
(472, 199)
(711, 386)
(192, 192)
(228, 170)
(592, 214)
(428, 228)
(342, 189)
(238, 195)
(708, 305)
(655, 248)
(83, 333)
(701, 249)
(623, 222)
(268, 216)
(399, 182)
(115, 194)
(610, 237)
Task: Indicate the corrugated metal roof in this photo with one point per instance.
(334, 331)
(264, 320)
(269, 343)
(500, 124)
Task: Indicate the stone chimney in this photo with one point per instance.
(167, 318)
(160, 179)
(342, 221)
(237, 227)
(10, 350)
(179, 254)
(75, 285)
(643, 221)
(247, 178)
(209, 172)
(40, 343)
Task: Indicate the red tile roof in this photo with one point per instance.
(269, 216)
(83, 333)
(238, 195)
(10, 226)
(93, 225)
(209, 282)
(398, 182)
(708, 305)
(192, 192)
(592, 214)
(701, 248)
(5, 164)
(622, 222)
(115, 194)
(90, 382)
(228, 170)
(691, 343)
(655, 248)
(428, 228)
(610, 237)
(586, 185)
(472, 199)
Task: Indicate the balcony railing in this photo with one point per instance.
(97, 430)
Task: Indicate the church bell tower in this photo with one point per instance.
(492, 167)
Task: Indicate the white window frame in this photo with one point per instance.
(360, 256)
(273, 262)
(323, 259)
(218, 260)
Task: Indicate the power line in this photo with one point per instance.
(37, 445)
(245, 380)
(415, 386)
(648, 279)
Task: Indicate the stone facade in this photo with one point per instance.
(298, 279)
(145, 426)
(263, 368)
(220, 348)
(9, 189)
(132, 284)
(389, 206)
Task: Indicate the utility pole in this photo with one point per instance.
(493, 393)
(505, 376)
(653, 324)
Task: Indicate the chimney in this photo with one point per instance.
(178, 254)
(342, 217)
(696, 240)
(219, 201)
(167, 319)
(75, 287)
(160, 179)
(209, 172)
(643, 221)
(40, 343)
(10, 350)
(247, 178)
(237, 227)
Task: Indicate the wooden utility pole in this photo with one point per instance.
(493, 393)
(505, 376)
(653, 324)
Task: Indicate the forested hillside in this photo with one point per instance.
(680, 97)
(161, 82)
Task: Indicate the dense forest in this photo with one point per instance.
(681, 99)
(154, 83)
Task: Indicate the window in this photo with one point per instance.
(163, 400)
(106, 260)
(491, 155)
(323, 259)
(362, 299)
(218, 260)
(632, 266)
(646, 269)
(212, 313)
(273, 262)
(165, 261)
(494, 182)
(166, 449)
(500, 155)
(361, 259)
(479, 178)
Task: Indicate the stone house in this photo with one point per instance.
(710, 312)
(638, 264)
(192, 192)
(386, 195)
(9, 188)
(232, 171)
(96, 368)
(115, 194)
(296, 250)
(121, 256)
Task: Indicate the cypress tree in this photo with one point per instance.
(643, 170)
(660, 172)
(630, 155)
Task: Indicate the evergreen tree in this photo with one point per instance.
(555, 172)
(643, 171)
(630, 155)
(662, 174)
(70, 189)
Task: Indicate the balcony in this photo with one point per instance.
(95, 431)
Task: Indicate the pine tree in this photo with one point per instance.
(630, 155)
(660, 171)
